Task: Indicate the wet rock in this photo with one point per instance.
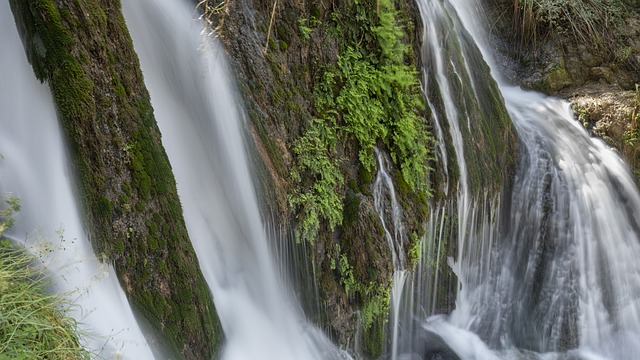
(430, 346)
(552, 80)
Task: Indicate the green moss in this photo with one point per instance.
(283, 45)
(555, 80)
(351, 207)
(104, 206)
(119, 247)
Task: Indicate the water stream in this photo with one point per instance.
(204, 126)
(555, 275)
(34, 168)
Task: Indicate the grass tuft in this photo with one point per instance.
(586, 21)
(33, 323)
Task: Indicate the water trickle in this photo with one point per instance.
(390, 212)
(33, 167)
(435, 35)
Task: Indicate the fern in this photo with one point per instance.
(369, 97)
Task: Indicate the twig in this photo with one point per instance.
(273, 14)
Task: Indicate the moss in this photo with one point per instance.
(119, 247)
(104, 206)
(555, 80)
(351, 208)
(283, 45)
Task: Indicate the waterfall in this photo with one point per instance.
(203, 124)
(34, 168)
(550, 271)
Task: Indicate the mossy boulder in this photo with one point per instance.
(552, 81)
(83, 50)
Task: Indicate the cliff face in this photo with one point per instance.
(82, 49)
(309, 71)
(282, 80)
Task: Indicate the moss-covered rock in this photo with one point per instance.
(281, 86)
(82, 48)
(291, 90)
(613, 115)
(552, 81)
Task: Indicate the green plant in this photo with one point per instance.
(369, 96)
(12, 206)
(33, 324)
(375, 297)
(591, 22)
(305, 31)
(316, 152)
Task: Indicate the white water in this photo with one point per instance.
(203, 128)
(386, 204)
(34, 168)
(390, 214)
(563, 273)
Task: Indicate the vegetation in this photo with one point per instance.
(597, 24)
(591, 22)
(213, 15)
(371, 96)
(374, 295)
(33, 324)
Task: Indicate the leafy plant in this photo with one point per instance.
(12, 206)
(305, 30)
(371, 95)
(316, 152)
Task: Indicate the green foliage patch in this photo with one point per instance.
(371, 95)
(33, 323)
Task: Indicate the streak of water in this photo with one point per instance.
(203, 124)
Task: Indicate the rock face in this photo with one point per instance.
(279, 80)
(282, 52)
(84, 51)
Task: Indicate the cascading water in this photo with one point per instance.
(561, 277)
(202, 123)
(390, 214)
(34, 168)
